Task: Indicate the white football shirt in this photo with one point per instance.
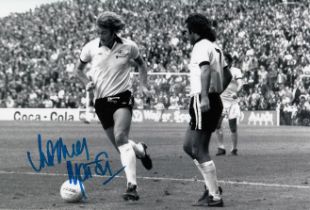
(206, 51)
(110, 68)
(231, 89)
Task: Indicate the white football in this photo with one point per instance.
(72, 192)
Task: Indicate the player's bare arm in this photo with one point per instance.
(79, 72)
(239, 86)
(205, 85)
(143, 75)
(239, 83)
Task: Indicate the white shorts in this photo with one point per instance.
(231, 110)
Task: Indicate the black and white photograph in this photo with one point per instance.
(155, 104)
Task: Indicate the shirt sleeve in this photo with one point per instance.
(85, 55)
(202, 54)
(134, 51)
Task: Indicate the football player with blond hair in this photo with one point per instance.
(111, 57)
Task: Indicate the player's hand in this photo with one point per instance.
(204, 104)
(145, 91)
(90, 86)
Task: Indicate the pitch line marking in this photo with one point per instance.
(172, 179)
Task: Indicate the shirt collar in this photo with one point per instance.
(117, 40)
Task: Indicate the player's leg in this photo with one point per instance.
(201, 145)
(234, 135)
(137, 147)
(110, 134)
(140, 149)
(104, 113)
(207, 168)
(210, 121)
(207, 165)
(191, 149)
(122, 122)
(220, 137)
(234, 113)
(200, 138)
(116, 124)
(190, 132)
(188, 143)
(142, 154)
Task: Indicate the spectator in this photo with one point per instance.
(37, 49)
(139, 104)
(174, 101)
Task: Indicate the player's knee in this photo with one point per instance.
(188, 150)
(219, 131)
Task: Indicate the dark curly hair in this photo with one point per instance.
(111, 21)
(199, 24)
(229, 58)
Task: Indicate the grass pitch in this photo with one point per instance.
(272, 170)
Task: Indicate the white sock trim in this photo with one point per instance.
(208, 166)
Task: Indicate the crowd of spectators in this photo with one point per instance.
(269, 40)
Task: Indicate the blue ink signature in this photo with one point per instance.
(60, 151)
